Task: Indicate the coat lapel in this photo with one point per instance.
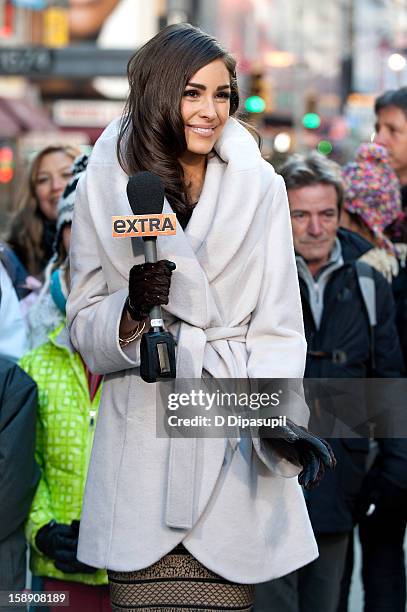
(220, 222)
(217, 227)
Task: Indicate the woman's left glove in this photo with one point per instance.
(298, 446)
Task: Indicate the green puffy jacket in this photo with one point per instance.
(65, 428)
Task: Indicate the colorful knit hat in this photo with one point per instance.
(372, 191)
(67, 200)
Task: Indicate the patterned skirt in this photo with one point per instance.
(176, 583)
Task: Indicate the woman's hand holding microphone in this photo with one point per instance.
(149, 285)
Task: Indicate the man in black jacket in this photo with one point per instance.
(342, 344)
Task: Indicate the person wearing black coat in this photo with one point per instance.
(340, 348)
(373, 208)
(377, 501)
(342, 344)
(19, 473)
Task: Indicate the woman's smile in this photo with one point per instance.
(202, 131)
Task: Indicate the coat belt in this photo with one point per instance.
(182, 458)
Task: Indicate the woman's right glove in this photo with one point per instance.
(149, 285)
(298, 446)
(60, 543)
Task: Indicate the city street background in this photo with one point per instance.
(308, 71)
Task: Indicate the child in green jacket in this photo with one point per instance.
(68, 400)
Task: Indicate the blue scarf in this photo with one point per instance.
(57, 290)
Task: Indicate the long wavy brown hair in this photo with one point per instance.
(152, 133)
(26, 228)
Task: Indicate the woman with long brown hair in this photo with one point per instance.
(33, 224)
(189, 523)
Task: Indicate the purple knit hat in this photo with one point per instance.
(372, 190)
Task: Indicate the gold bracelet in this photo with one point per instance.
(135, 334)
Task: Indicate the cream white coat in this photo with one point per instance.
(235, 312)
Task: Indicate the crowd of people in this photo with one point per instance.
(349, 231)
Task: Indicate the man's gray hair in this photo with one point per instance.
(312, 169)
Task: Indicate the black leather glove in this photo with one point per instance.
(379, 493)
(298, 446)
(60, 542)
(149, 285)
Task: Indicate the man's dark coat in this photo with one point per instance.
(345, 330)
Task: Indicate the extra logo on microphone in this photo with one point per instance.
(133, 226)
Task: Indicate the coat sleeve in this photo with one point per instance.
(388, 359)
(41, 510)
(18, 471)
(13, 335)
(275, 340)
(93, 315)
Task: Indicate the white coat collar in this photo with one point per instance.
(230, 197)
(237, 146)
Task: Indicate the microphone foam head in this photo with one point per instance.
(145, 192)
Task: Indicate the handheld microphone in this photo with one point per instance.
(145, 192)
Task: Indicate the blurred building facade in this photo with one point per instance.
(326, 57)
(62, 72)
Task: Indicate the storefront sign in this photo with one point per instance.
(86, 113)
(25, 60)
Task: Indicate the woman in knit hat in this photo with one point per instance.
(372, 204)
(49, 309)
